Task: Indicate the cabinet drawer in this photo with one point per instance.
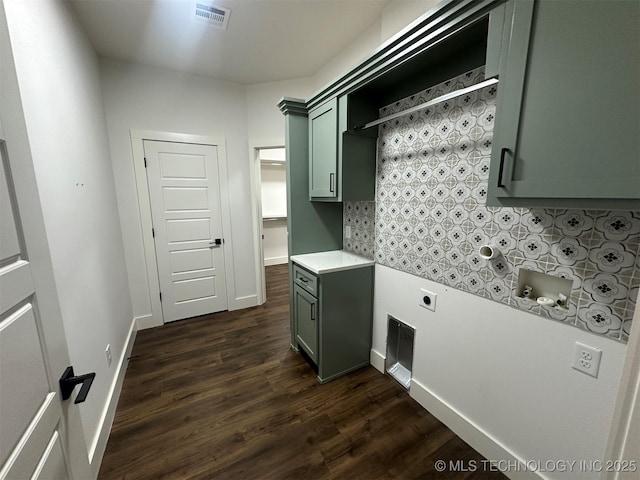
(305, 279)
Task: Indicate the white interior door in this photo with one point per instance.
(185, 209)
(35, 430)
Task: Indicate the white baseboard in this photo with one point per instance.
(146, 321)
(243, 302)
(276, 261)
(377, 360)
(106, 421)
(480, 440)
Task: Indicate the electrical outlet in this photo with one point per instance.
(107, 351)
(347, 231)
(586, 359)
(427, 299)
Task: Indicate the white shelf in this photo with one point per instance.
(272, 154)
(435, 101)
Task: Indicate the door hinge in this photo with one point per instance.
(153, 232)
(160, 296)
(145, 162)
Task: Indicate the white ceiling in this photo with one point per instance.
(266, 40)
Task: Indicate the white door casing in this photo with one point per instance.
(38, 437)
(183, 182)
(256, 211)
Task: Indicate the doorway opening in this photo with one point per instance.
(271, 199)
(197, 249)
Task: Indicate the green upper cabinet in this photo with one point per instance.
(312, 227)
(342, 162)
(567, 130)
(323, 150)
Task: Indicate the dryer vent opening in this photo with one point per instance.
(399, 361)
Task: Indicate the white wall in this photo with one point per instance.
(59, 83)
(482, 366)
(265, 122)
(397, 14)
(358, 50)
(274, 190)
(147, 98)
(274, 244)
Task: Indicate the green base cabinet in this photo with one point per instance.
(333, 327)
(568, 110)
(306, 313)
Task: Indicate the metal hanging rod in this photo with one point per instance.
(440, 99)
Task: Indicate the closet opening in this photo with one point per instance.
(271, 198)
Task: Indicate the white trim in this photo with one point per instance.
(276, 261)
(476, 437)
(144, 205)
(622, 443)
(256, 215)
(144, 321)
(99, 444)
(377, 360)
(161, 136)
(225, 210)
(245, 302)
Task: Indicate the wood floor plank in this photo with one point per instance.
(224, 396)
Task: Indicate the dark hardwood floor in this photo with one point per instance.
(223, 396)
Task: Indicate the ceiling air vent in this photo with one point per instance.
(212, 14)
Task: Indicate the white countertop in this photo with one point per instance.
(332, 261)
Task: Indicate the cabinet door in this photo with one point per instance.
(568, 111)
(306, 317)
(323, 150)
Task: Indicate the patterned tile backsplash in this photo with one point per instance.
(430, 218)
(361, 217)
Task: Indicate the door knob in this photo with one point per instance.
(68, 381)
(216, 242)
